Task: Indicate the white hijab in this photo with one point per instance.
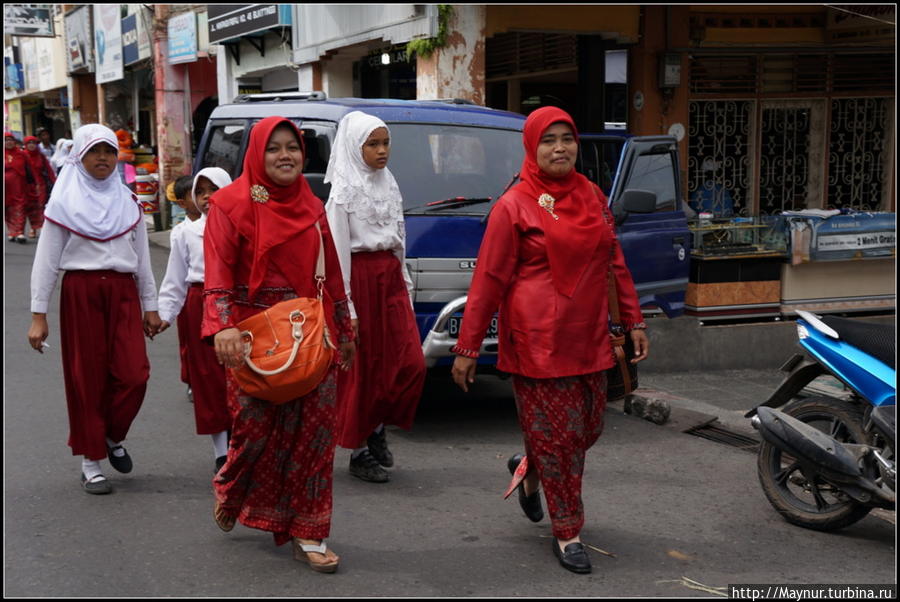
(63, 147)
(370, 194)
(96, 209)
(217, 176)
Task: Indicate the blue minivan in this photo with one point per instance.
(452, 161)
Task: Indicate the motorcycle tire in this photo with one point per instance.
(815, 505)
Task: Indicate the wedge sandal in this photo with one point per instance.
(318, 556)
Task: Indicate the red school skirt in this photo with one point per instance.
(385, 382)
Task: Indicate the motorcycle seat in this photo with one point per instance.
(878, 340)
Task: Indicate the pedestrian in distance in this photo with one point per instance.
(181, 297)
(38, 192)
(45, 144)
(261, 247)
(95, 232)
(63, 148)
(545, 261)
(17, 177)
(365, 214)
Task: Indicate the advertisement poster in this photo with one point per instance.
(183, 38)
(79, 41)
(108, 43)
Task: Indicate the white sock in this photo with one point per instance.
(91, 468)
(220, 443)
(119, 453)
(358, 451)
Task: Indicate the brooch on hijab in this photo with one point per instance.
(547, 202)
(259, 194)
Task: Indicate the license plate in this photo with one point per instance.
(454, 324)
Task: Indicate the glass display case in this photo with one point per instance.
(738, 237)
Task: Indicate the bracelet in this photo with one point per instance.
(465, 352)
(639, 326)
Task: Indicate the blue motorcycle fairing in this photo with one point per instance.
(871, 378)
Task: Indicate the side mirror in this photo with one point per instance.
(639, 201)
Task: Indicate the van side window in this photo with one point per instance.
(656, 173)
(224, 148)
(598, 160)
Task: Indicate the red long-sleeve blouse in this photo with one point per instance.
(542, 333)
(227, 259)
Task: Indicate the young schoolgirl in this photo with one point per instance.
(94, 231)
(178, 193)
(365, 214)
(181, 295)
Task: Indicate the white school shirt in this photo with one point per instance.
(185, 267)
(59, 249)
(353, 235)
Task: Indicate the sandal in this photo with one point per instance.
(318, 556)
(225, 522)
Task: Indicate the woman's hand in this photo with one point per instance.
(463, 371)
(229, 347)
(151, 323)
(38, 332)
(641, 345)
(348, 353)
(163, 326)
(355, 323)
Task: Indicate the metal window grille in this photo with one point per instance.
(784, 177)
(858, 153)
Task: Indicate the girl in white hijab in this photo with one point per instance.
(181, 299)
(63, 148)
(94, 231)
(365, 215)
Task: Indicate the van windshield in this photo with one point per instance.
(436, 162)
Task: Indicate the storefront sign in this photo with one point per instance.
(14, 75)
(79, 40)
(28, 52)
(183, 38)
(228, 21)
(14, 117)
(853, 236)
(130, 40)
(28, 20)
(108, 37)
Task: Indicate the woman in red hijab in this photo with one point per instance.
(37, 193)
(15, 184)
(545, 262)
(260, 248)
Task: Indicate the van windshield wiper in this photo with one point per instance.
(458, 201)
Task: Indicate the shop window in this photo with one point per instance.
(858, 153)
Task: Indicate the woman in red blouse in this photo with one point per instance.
(37, 193)
(545, 262)
(260, 247)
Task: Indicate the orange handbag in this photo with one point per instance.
(287, 348)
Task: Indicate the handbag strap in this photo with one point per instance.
(320, 262)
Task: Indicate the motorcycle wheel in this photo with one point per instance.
(813, 505)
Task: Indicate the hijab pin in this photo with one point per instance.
(547, 202)
(259, 194)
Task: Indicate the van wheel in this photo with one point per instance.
(812, 504)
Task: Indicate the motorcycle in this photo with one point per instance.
(825, 462)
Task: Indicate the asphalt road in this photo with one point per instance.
(665, 505)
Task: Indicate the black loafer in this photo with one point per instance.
(98, 487)
(121, 463)
(220, 462)
(377, 444)
(531, 504)
(574, 558)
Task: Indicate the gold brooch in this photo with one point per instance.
(547, 202)
(259, 194)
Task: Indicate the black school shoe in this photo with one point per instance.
(121, 463)
(574, 558)
(377, 444)
(98, 487)
(366, 467)
(531, 504)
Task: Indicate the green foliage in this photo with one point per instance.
(424, 47)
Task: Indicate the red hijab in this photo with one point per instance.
(572, 239)
(34, 156)
(265, 213)
(14, 159)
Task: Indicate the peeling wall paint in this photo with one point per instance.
(457, 69)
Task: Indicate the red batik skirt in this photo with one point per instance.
(385, 383)
(207, 376)
(104, 356)
(561, 418)
(278, 476)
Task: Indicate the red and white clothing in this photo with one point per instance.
(181, 299)
(365, 214)
(546, 266)
(15, 185)
(278, 475)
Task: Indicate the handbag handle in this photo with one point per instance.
(296, 334)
